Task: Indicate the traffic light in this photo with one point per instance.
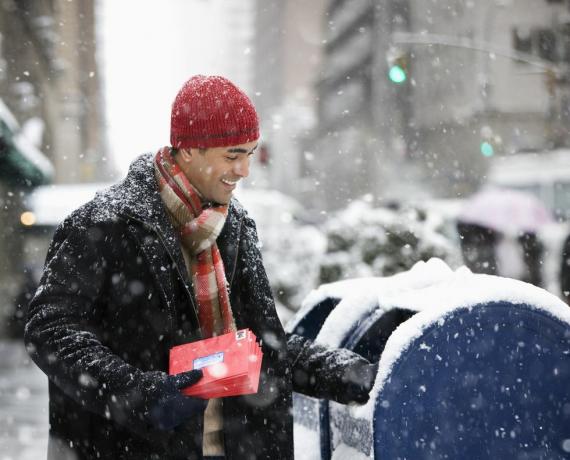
(397, 65)
(487, 149)
(397, 74)
(490, 142)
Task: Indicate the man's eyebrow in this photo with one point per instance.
(240, 150)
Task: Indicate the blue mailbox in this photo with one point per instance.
(471, 367)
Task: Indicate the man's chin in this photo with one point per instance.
(225, 200)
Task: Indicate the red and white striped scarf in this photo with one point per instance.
(198, 228)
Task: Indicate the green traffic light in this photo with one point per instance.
(397, 74)
(487, 149)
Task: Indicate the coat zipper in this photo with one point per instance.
(236, 256)
(229, 293)
(147, 225)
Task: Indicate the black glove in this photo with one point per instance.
(361, 377)
(168, 407)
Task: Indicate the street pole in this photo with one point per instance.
(407, 38)
(556, 74)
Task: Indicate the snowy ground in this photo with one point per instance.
(23, 405)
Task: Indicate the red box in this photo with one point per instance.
(231, 364)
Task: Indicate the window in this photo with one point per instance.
(522, 40)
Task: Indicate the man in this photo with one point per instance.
(163, 258)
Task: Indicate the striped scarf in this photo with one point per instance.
(198, 229)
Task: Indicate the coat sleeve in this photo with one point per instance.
(337, 374)
(61, 335)
(330, 373)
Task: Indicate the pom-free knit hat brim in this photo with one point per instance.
(210, 111)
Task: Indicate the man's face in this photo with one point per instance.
(216, 171)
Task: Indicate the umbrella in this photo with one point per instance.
(505, 210)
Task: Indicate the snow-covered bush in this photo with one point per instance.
(291, 249)
(292, 262)
(365, 241)
(358, 241)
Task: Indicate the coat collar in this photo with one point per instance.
(137, 198)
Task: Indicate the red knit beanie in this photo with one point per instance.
(210, 111)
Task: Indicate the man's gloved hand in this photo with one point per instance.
(362, 377)
(169, 407)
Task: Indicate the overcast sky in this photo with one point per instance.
(149, 48)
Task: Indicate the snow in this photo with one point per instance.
(359, 296)
(7, 117)
(33, 155)
(307, 443)
(343, 452)
(24, 145)
(33, 130)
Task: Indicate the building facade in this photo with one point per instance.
(476, 79)
(287, 51)
(50, 114)
(50, 82)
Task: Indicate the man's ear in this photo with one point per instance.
(185, 155)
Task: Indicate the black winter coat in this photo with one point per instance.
(115, 297)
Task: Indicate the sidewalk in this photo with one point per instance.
(23, 405)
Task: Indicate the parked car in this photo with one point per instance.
(544, 174)
(44, 208)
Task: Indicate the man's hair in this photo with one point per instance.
(174, 151)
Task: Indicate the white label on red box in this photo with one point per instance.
(240, 335)
(209, 360)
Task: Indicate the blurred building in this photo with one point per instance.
(415, 96)
(481, 83)
(50, 82)
(233, 44)
(352, 143)
(287, 52)
(50, 110)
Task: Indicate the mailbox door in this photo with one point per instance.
(310, 322)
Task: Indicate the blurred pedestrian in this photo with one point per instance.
(478, 245)
(565, 271)
(163, 258)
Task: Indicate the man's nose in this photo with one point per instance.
(241, 168)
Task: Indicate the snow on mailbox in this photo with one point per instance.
(471, 366)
